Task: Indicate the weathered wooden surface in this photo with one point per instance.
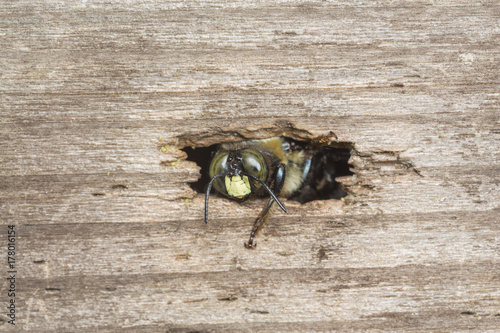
(107, 240)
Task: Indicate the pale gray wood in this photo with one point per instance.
(111, 236)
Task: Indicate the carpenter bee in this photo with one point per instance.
(276, 166)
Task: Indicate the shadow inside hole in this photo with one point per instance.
(327, 163)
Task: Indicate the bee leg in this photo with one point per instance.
(279, 180)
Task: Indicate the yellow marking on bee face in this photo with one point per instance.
(237, 187)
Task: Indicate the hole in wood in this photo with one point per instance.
(326, 163)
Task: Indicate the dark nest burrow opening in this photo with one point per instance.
(327, 163)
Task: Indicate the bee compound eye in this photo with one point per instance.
(218, 165)
(254, 164)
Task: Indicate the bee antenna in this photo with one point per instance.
(275, 198)
(208, 192)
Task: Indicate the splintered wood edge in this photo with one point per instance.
(218, 135)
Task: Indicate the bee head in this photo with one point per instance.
(243, 170)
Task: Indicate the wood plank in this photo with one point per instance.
(110, 235)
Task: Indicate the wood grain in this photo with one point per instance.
(111, 236)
